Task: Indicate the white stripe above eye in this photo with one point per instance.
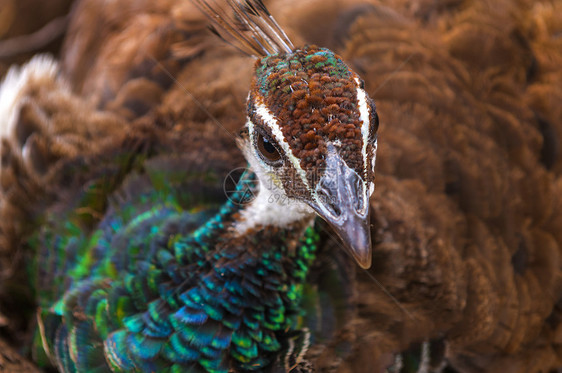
(263, 112)
(365, 117)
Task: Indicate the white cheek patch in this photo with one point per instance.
(271, 206)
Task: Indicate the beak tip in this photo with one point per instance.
(362, 256)
(356, 239)
(364, 262)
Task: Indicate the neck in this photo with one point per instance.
(258, 273)
(260, 276)
(206, 300)
(240, 300)
(273, 208)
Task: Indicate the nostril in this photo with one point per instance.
(334, 207)
(328, 195)
(329, 202)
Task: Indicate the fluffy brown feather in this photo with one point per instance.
(467, 212)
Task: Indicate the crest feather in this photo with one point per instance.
(250, 28)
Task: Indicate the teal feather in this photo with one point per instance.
(153, 287)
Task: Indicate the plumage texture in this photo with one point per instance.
(251, 27)
(160, 286)
(312, 78)
(11, 361)
(466, 217)
(28, 27)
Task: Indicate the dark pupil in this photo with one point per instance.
(268, 147)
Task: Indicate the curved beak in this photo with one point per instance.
(342, 200)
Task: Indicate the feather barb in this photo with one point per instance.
(249, 26)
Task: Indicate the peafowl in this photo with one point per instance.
(146, 270)
(135, 128)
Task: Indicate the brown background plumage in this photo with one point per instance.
(467, 212)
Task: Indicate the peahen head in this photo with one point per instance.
(310, 134)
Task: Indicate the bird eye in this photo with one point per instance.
(268, 150)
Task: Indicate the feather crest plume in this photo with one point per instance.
(249, 27)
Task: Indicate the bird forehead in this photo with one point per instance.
(301, 63)
(312, 94)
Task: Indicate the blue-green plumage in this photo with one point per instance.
(144, 267)
(161, 286)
